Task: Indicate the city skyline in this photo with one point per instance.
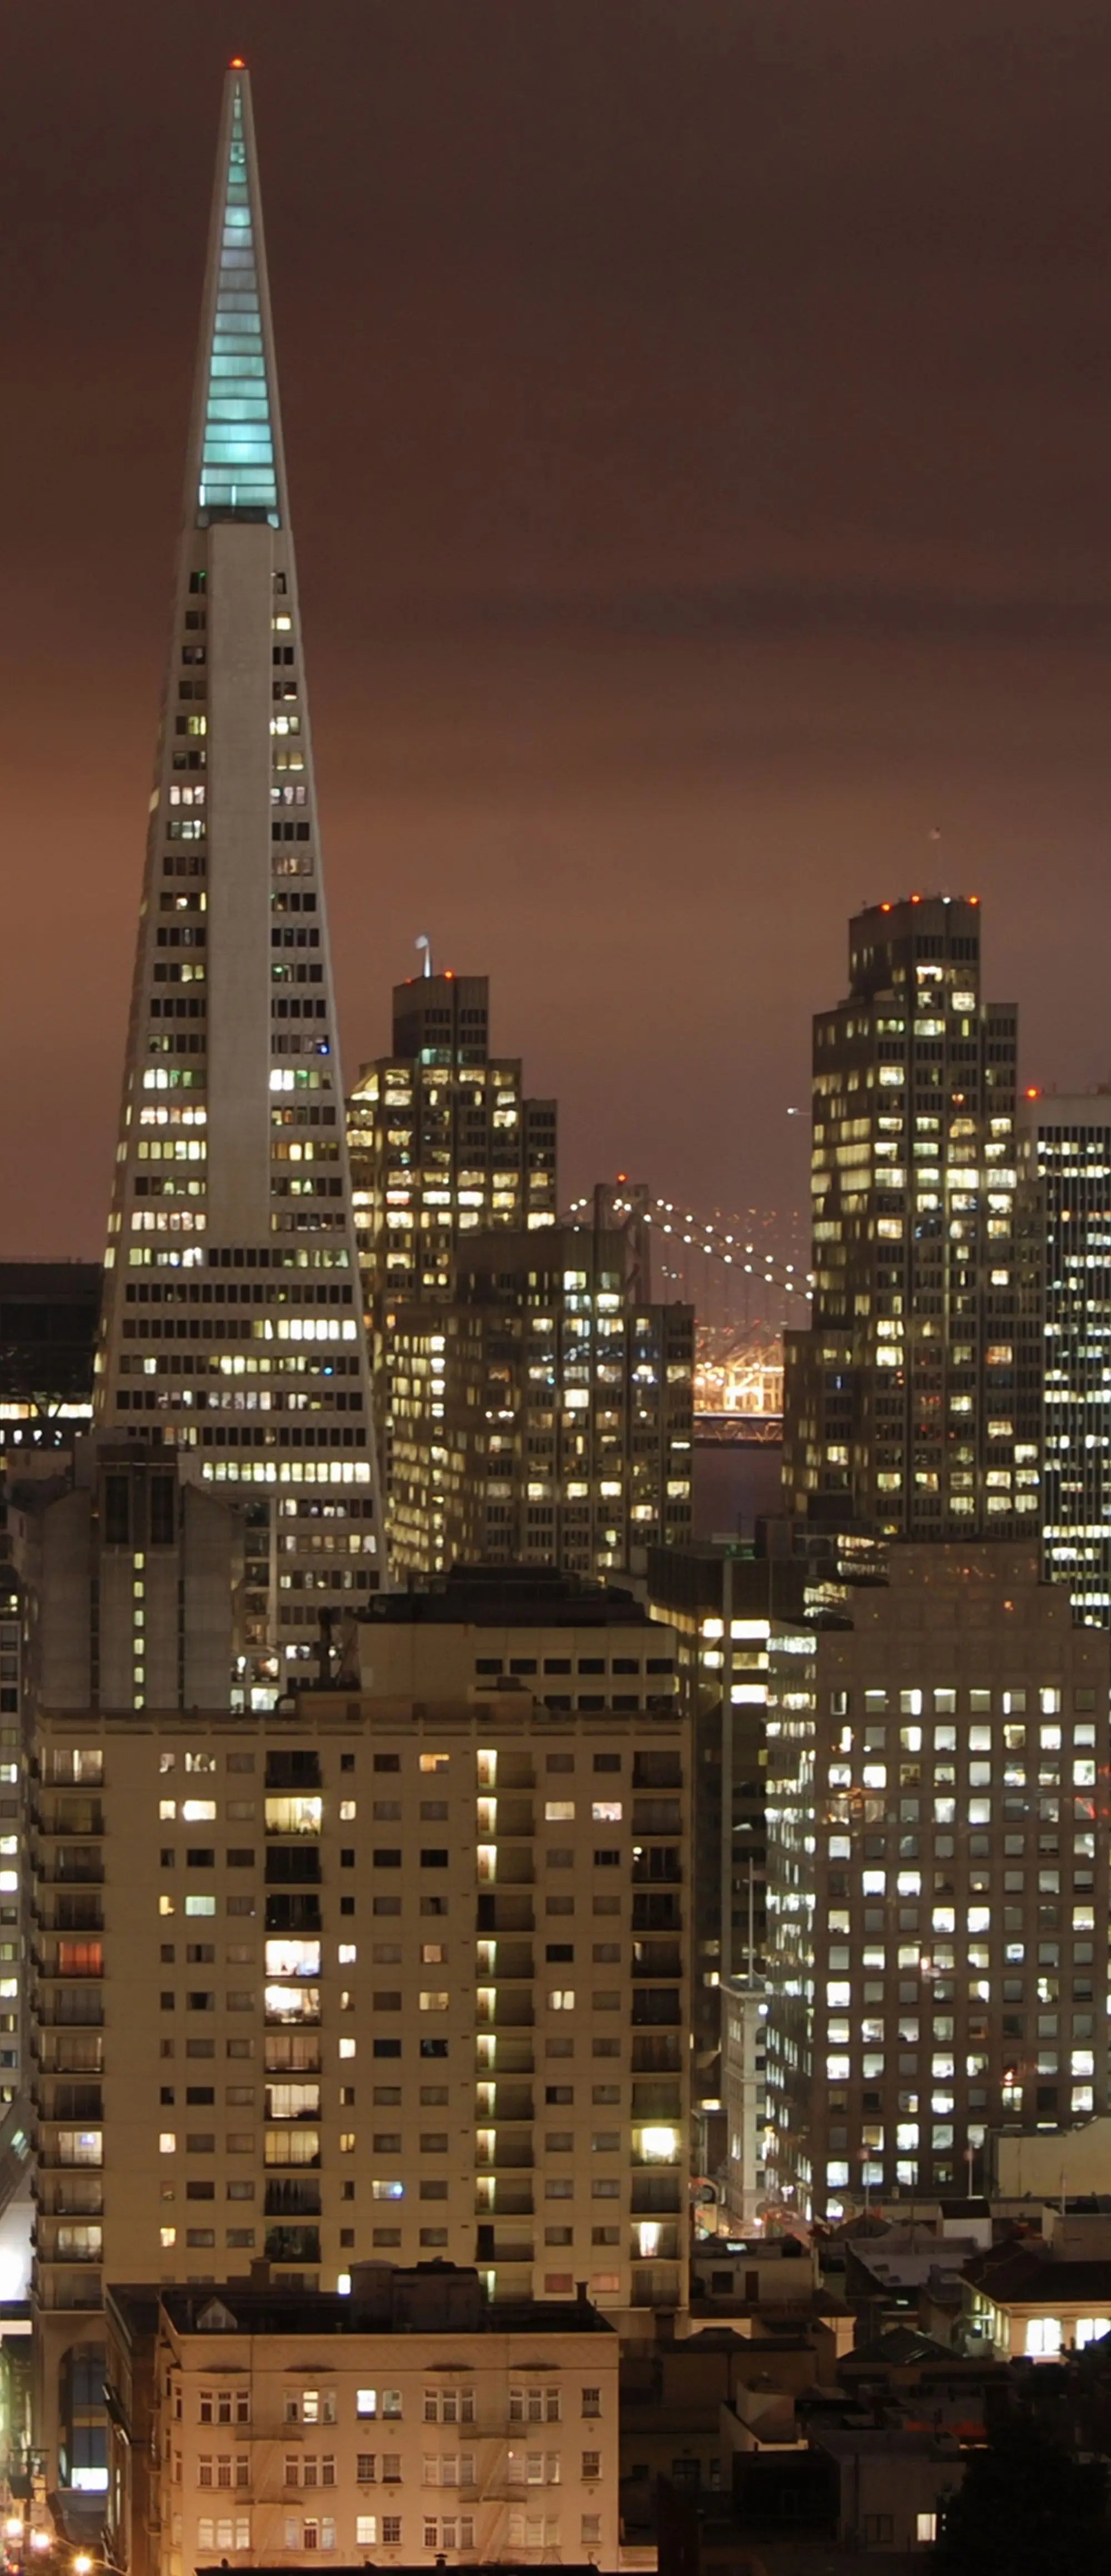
(657, 637)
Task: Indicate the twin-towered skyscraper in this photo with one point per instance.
(233, 1317)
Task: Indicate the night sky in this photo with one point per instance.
(699, 432)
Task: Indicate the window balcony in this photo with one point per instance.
(494, 2248)
(293, 2244)
(658, 1864)
(73, 1823)
(91, 2017)
(505, 2011)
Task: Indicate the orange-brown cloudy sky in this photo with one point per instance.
(699, 430)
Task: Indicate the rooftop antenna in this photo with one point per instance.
(423, 941)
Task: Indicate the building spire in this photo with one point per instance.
(232, 1324)
(238, 466)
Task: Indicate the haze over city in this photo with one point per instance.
(699, 444)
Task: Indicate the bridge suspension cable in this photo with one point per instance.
(735, 1250)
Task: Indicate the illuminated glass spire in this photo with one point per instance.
(237, 453)
(233, 1327)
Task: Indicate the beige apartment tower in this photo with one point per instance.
(403, 1976)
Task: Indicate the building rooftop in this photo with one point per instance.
(1026, 2278)
(431, 2298)
(844, 2441)
(508, 1596)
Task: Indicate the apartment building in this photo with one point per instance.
(408, 2421)
(938, 1895)
(364, 1978)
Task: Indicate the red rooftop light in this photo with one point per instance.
(237, 64)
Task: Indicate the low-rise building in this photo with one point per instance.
(409, 2421)
(892, 2483)
(1031, 2303)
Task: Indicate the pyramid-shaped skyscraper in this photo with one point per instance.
(232, 1322)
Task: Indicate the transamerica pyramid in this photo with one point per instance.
(232, 1323)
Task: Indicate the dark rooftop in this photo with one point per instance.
(1029, 2278)
(429, 2298)
(509, 1596)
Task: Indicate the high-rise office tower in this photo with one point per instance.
(232, 1319)
(1065, 1155)
(937, 1894)
(544, 1416)
(912, 1401)
(443, 1144)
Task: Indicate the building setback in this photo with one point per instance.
(444, 1146)
(443, 1142)
(232, 1322)
(912, 1401)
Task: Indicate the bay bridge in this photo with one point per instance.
(745, 1275)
